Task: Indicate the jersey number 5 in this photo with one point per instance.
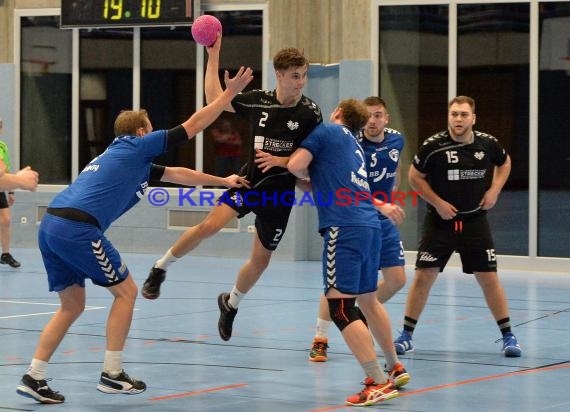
(373, 160)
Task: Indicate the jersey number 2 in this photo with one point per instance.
(264, 116)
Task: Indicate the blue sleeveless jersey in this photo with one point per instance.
(116, 180)
(338, 178)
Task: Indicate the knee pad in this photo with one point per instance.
(343, 312)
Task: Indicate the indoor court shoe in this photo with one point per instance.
(227, 315)
(121, 384)
(404, 343)
(319, 350)
(8, 259)
(373, 393)
(398, 375)
(38, 390)
(151, 287)
(511, 347)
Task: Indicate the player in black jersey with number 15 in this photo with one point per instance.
(450, 171)
(279, 120)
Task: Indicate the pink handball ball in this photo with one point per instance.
(205, 29)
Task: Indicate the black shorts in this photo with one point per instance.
(469, 236)
(3, 201)
(271, 209)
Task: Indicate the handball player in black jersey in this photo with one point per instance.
(279, 120)
(460, 174)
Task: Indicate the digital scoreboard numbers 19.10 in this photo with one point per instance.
(125, 13)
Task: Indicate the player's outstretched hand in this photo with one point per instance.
(28, 179)
(236, 181)
(237, 83)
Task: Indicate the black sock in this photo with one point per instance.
(504, 325)
(409, 324)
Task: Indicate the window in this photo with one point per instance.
(168, 85)
(413, 82)
(493, 68)
(553, 126)
(106, 87)
(45, 98)
(226, 140)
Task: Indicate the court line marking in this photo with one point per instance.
(23, 302)
(185, 394)
(39, 313)
(460, 383)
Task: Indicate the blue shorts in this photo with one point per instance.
(348, 265)
(392, 250)
(73, 251)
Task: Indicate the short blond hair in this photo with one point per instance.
(129, 121)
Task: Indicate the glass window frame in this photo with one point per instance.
(200, 71)
(452, 91)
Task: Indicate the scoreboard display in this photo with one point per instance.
(125, 13)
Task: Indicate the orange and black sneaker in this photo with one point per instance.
(319, 350)
(373, 393)
(398, 375)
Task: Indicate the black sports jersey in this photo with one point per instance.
(276, 130)
(459, 172)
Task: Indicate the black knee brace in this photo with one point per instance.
(343, 312)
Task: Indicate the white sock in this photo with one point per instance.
(37, 369)
(113, 363)
(166, 260)
(323, 328)
(235, 297)
(372, 369)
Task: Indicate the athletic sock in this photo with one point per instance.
(166, 260)
(391, 359)
(410, 324)
(505, 325)
(37, 369)
(235, 297)
(113, 363)
(323, 328)
(372, 370)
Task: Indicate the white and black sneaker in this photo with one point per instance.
(120, 384)
(227, 315)
(151, 286)
(38, 390)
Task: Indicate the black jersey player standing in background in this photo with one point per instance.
(451, 171)
(279, 120)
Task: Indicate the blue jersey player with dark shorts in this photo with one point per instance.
(382, 148)
(332, 159)
(460, 173)
(74, 248)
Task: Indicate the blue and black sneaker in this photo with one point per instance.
(511, 347)
(404, 343)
